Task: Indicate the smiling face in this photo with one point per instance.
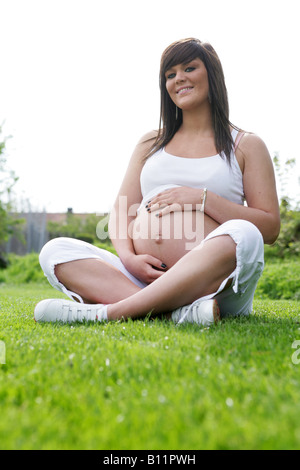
(191, 76)
(187, 84)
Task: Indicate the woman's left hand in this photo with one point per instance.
(175, 200)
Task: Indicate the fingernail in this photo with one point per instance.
(148, 209)
(163, 265)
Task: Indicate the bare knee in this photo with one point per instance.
(219, 253)
(74, 276)
(223, 248)
(63, 271)
(222, 245)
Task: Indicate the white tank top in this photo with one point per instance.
(163, 171)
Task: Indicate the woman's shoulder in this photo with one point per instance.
(149, 137)
(251, 150)
(143, 147)
(251, 142)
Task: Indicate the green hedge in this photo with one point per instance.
(22, 269)
(280, 280)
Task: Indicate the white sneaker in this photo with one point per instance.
(204, 313)
(67, 311)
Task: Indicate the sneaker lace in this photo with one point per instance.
(75, 313)
(187, 313)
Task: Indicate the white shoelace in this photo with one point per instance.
(187, 312)
(75, 313)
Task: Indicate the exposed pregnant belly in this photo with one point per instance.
(170, 237)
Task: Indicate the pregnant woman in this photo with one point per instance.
(197, 204)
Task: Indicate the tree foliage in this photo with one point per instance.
(8, 179)
(288, 242)
(75, 226)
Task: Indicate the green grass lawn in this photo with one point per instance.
(148, 384)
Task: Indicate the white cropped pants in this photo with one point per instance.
(234, 300)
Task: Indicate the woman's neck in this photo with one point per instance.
(197, 122)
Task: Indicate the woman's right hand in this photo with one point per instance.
(146, 268)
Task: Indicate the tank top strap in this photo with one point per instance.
(236, 136)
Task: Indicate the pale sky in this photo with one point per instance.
(79, 85)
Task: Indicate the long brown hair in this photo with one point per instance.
(182, 52)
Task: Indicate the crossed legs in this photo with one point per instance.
(200, 272)
(95, 280)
